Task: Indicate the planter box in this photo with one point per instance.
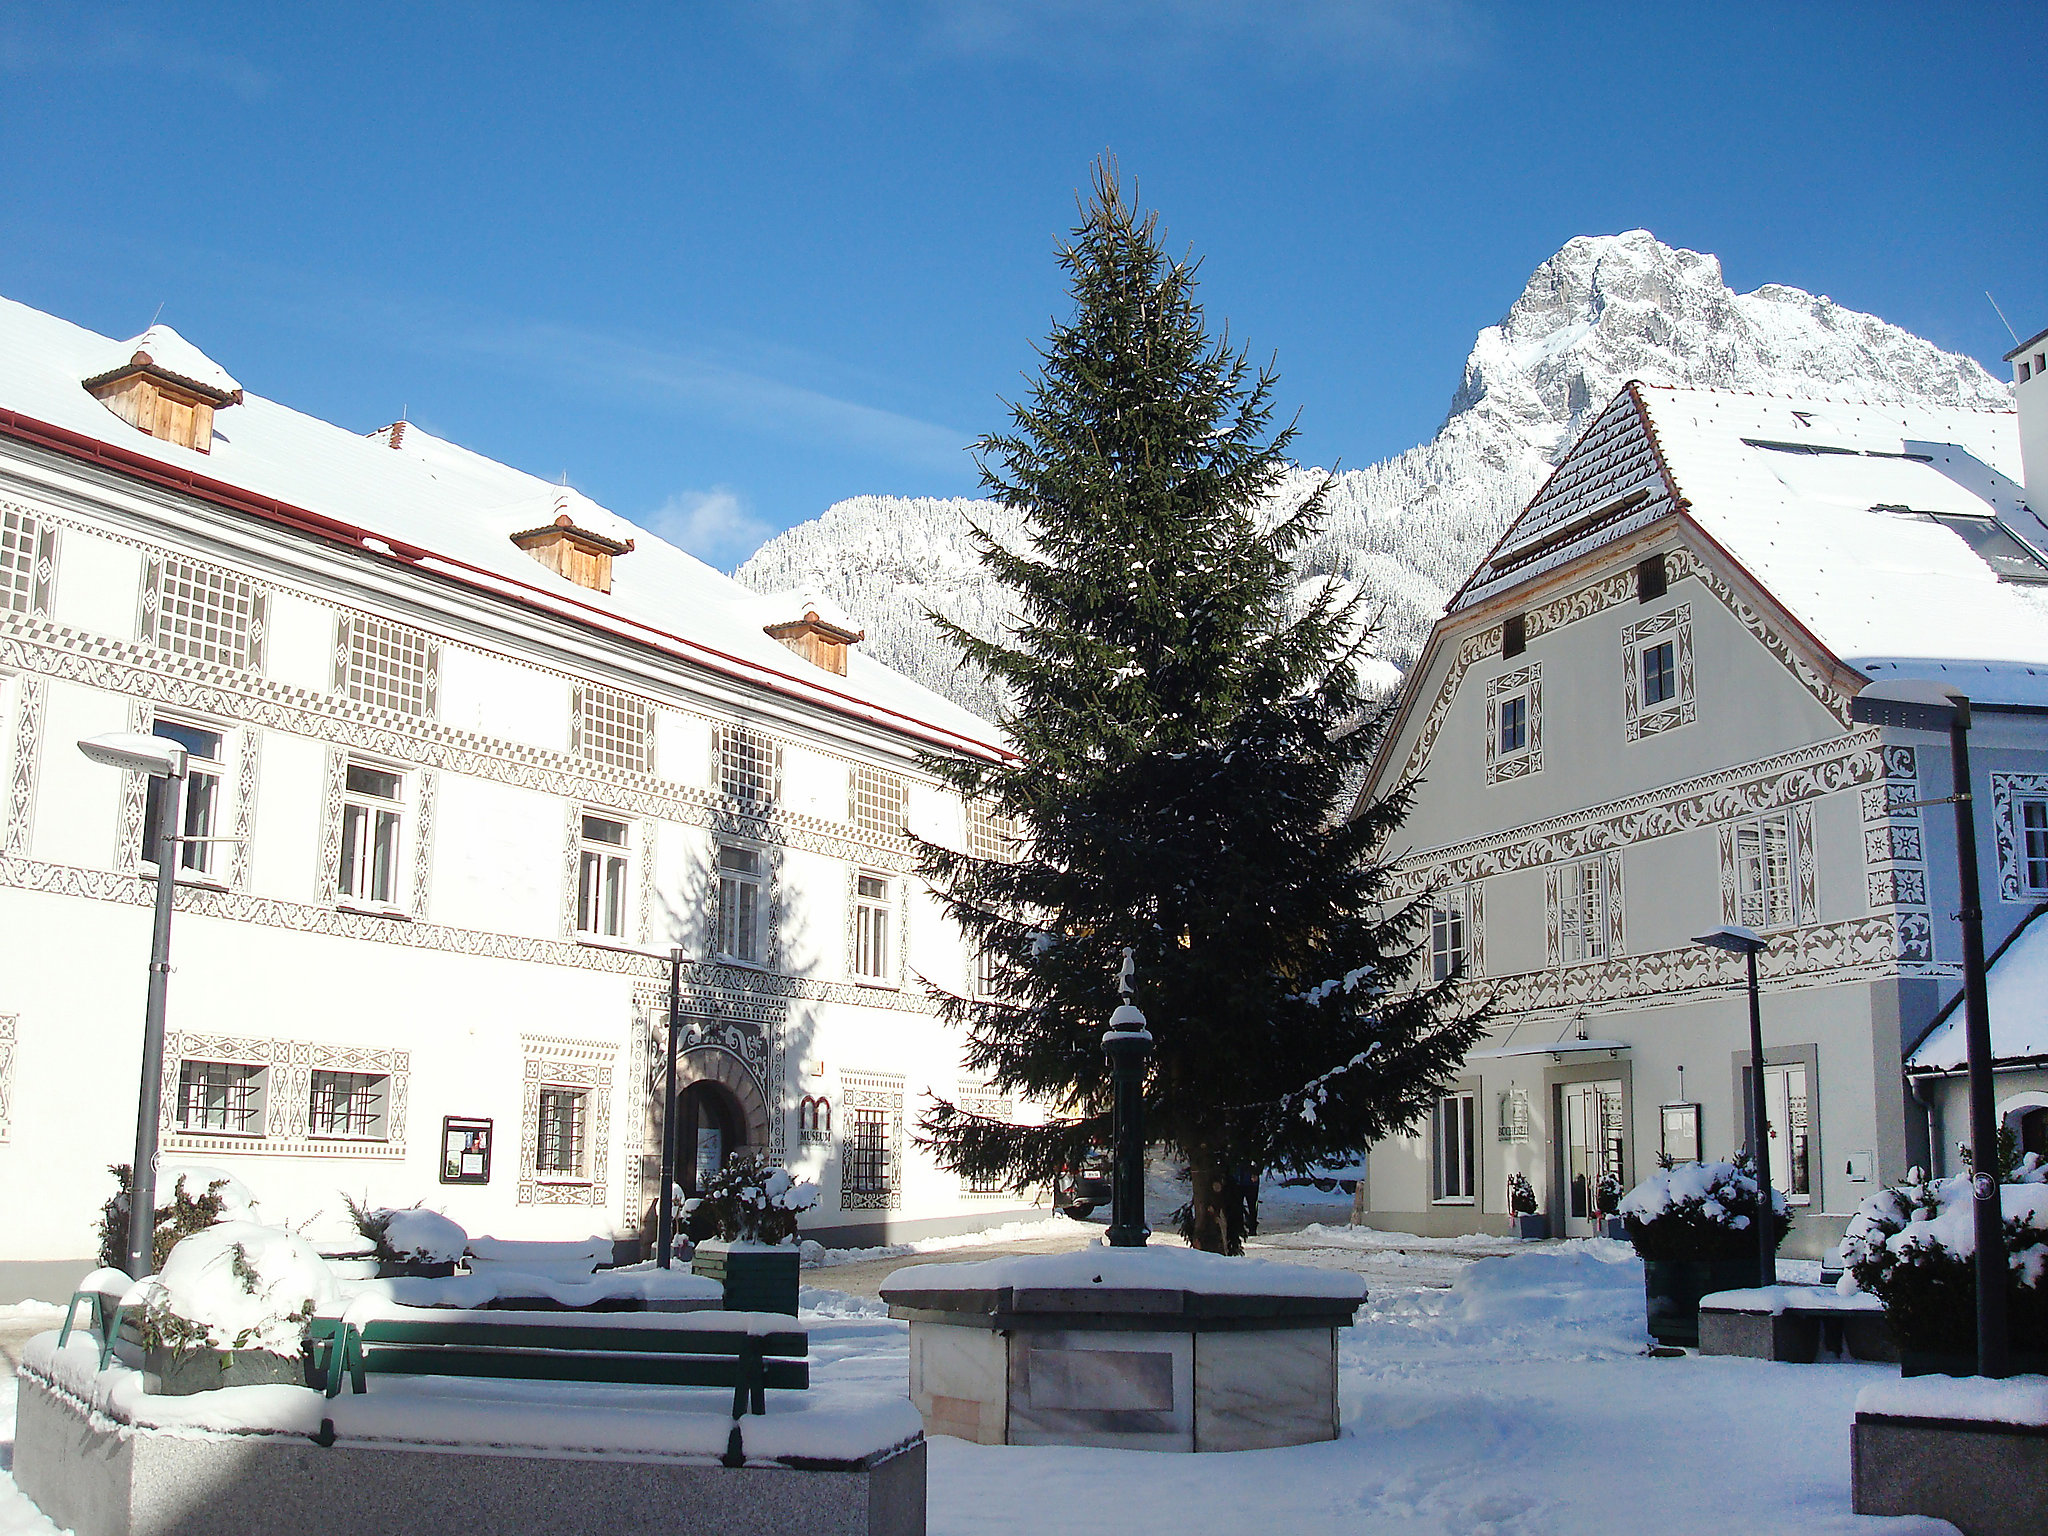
(757, 1277)
(414, 1269)
(202, 1370)
(1531, 1226)
(1989, 1479)
(1672, 1289)
(1927, 1362)
(1614, 1227)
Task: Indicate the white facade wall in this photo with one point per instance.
(472, 990)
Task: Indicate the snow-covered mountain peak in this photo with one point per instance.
(1406, 531)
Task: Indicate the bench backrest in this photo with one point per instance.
(694, 1357)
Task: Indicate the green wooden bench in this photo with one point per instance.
(509, 1345)
(103, 1319)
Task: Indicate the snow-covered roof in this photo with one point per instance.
(1826, 504)
(165, 350)
(450, 511)
(2016, 996)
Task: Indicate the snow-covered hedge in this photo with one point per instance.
(410, 1236)
(1700, 1211)
(754, 1202)
(1914, 1246)
(237, 1285)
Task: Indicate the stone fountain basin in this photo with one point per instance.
(1138, 1349)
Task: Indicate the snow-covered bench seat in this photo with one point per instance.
(1796, 1323)
(422, 1456)
(1964, 1449)
(512, 1286)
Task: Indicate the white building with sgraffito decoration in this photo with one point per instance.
(477, 754)
(1632, 725)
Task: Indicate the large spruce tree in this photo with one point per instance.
(1188, 733)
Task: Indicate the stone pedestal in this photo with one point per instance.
(1134, 1369)
(1989, 1479)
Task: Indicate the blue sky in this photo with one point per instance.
(724, 265)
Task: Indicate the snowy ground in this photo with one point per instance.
(1483, 1396)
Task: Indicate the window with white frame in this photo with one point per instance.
(613, 729)
(877, 803)
(372, 824)
(2030, 828)
(348, 1104)
(204, 612)
(1660, 673)
(1791, 1130)
(1447, 935)
(559, 1133)
(991, 973)
(1765, 896)
(224, 1096)
(24, 543)
(749, 765)
(1455, 1148)
(387, 665)
(872, 960)
(740, 912)
(991, 833)
(1514, 724)
(603, 876)
(205, 768)
(1582, 911)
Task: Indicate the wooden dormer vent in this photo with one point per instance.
(167, 388)
(582, 556)
(818, 642)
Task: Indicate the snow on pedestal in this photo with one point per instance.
(1137, 1348)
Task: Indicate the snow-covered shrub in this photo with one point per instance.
(409, 1236)
(1607, 1194)
(1521, 1195)
(237, 1285)
(752, 1201)
(192, 1207)
(1914, 1247)
(1700, 1211)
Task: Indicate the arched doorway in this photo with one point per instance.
(712, 1128)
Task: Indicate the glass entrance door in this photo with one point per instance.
(1791, 1131)
(1590, 1127)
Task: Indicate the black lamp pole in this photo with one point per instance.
(1747, 942)
(1902, 704)
(665, 1227)
(1128, 1042)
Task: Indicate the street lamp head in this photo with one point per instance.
(1734, 938)
(1917, 703)
(131, 749)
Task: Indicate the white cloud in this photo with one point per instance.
(716, 526)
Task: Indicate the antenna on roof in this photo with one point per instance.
(160, 311)
(2015, 335)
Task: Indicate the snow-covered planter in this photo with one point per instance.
(410, 1243)
(193, 1198)
(1529, 1223)
(230, 1308)
(753, 1207)
(1914, 1247)
(1693, 1224)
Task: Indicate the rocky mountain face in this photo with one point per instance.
(1407, 530)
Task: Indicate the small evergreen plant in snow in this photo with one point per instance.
(1521, 1195)
(410, 1236)
(1190, 737)
(1701, 1211)
(752, 1201)
(1914, 1246)
(183, 1214)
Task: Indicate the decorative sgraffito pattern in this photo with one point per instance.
(976, 1097)
(1616, 944)
(1895, 854)
(879, 1093)
(7, 1035)
(556, 1062)
(21, 779)
(2006, 790)
(287, 1091)
(1525, 683)
(1475, 930)
(1640, 719)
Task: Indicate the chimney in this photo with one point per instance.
(575, 553)
(817, 640)
(167, 388)
(2030, 392)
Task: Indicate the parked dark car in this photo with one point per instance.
(1082, 1186)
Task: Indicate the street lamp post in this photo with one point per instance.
(1925, 706)
(665, 1228)
(1128, 1042)
(1747, 942)
(166, 760)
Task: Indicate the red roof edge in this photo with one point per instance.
(221, 493)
